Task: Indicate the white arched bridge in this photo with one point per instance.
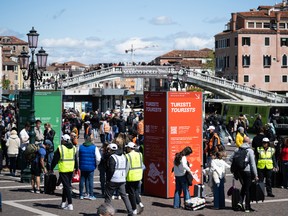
(225, 88)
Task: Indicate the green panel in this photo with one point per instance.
(48, 108)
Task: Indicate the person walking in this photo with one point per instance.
(240, 137)
(246, 176)
(13, 144)
(65, 157)
(89, 158)
(266, 164)
(218, 167)
(180, 168)
(134, 176)
(284, 164)
(116, 176)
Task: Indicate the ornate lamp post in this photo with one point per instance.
(30, 71)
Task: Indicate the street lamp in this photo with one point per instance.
(30, 71)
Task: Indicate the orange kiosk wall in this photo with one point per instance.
(173, 120)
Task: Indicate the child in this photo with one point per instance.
(218, 166)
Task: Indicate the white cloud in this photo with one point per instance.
(72, 43)
(162, 20)
(194, 43)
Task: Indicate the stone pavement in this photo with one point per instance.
(17, 200)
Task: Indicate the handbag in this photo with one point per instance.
(76, 176)
(189, 178)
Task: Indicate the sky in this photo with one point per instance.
(99, 31)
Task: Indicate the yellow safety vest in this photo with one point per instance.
(67, 159)
(265, 158)
(135, 172)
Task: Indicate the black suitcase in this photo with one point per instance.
(50, 183)
(199, 190)
(257, 191)
(235, 199)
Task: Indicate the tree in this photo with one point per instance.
(6, 84)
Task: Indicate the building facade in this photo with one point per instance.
(11, 77)
(253, 49)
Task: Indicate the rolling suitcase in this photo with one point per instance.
(50, 180)
(235, 197)
(257, 191)
(199, 190)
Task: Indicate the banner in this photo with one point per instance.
(185, 129)
(48, 108)
(155, 150)
(173, 120)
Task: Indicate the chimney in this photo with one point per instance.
(234, 18)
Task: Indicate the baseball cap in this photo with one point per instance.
(265, 140)
(87, 122)
(130, 145)
(113, 146)
(66, 137)
(211, 127)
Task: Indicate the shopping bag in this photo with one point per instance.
(76, 176)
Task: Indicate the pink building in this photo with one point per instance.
(253, 50)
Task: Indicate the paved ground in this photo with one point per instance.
(17, 200)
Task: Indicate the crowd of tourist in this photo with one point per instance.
(119, 159)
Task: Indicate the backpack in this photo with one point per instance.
(67, 129)
(30, 152)
(239, 163)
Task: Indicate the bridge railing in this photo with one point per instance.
(274, 97)
(162, 72)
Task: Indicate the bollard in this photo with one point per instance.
(0, 202)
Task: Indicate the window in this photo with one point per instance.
(250, 24)
(266, 25)
(236, 60)
(282, 25)
(267, 78)
(284, 61)
(246, 41)
(216, 44)
(284, 78)
(246, 78)
(228, 61)
(228, 42)
(245, 61)
(258, 24)
(236, 41)
(266, 61)
(267, 41)
(284, 42)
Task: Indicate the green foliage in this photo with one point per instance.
(6, 84)
(210, 65)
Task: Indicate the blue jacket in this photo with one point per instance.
(87, 158)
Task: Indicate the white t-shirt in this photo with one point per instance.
(24, 138)
(182, 168)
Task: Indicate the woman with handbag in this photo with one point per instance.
(180, 169)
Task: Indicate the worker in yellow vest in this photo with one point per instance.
(134, 176)
(65, 157)
(266, 164)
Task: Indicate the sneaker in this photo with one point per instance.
(240, 207)
(69, 207)
(32, 191)
(119, 197)
(249, 210)
(63, 205)
(113, 197)
(92, 198)
(86, 197)
(271, 195)
(37, 191)
(81, 197)
(135, 212)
